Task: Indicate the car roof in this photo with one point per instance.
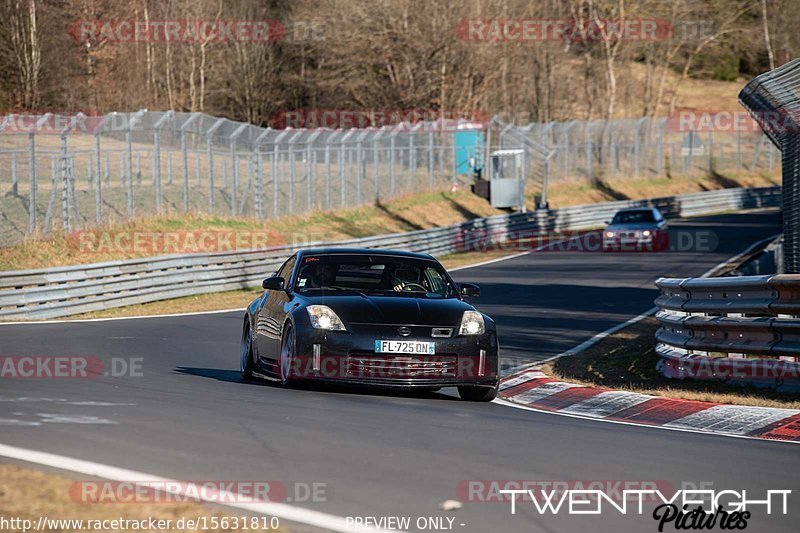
(364, 251)
(644, 208)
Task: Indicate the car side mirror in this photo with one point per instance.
(274, 283)
(470, 290)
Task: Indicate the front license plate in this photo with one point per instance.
(414, 347)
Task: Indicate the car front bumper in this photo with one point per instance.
(350, 357)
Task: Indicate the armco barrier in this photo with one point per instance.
(70, 290)
(742, 330)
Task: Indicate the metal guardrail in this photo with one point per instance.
(739, 329)
(70, 290)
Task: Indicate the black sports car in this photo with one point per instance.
(370, 317)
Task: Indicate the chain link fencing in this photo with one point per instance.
(69, 172)
(593, 151)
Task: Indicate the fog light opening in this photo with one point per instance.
(482, 363)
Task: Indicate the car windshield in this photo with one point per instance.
(633, 217)
(375, 274)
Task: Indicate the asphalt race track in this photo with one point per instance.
(189, 416)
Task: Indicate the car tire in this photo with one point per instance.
(477, 394)
(246, 363)
(286, 373)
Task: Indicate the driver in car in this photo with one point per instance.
(400, 277)
(322, 275)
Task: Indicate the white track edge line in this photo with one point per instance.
(288, 512)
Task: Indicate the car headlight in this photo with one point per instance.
(609, 234)
(646, 233)
(472, 324)
(323, 317)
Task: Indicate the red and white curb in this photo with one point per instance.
(532, 388)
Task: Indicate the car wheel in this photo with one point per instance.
(477, 394)
(287, 356)
(246, 352)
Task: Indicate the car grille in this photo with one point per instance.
(372, 365)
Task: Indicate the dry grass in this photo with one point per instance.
(29, 494)
(582, 192)
(417, 211)
(627, 360)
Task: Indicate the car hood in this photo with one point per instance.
(631, 227)
(358, 309)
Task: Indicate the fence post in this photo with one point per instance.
(65, 186)
(130, 167)
(33, 184)
(412, 156)
(738, 149)
(327, 176)
(376, 162)
(359, 155)
(392, 184)
(156, 154)
(259, 185)
(292, 176)
(341, 173)
(235, 161)
(589, 159)
(98, 210)
(275, 189)
(169, 167)
(430, 159)
(710, 151)
(14, 181)
(309, 170)
(185, 164)
(107, 169)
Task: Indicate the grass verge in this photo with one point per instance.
(627, 360)
(29, 494)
